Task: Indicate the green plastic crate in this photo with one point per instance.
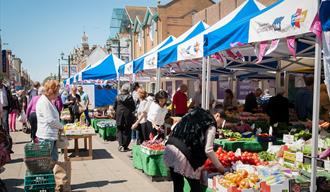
(41, 149)
(102, 133)
(39, 182)
(111, 132)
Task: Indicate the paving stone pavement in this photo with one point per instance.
(110, 170)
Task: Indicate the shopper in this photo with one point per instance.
(136, 132)
(48, 118)
(14, 111)
(124, 107)
(304, 100)
(32, 115)
(156, 115)
(189, 146)
(23, 103)
(229, 101)
(73, 104)
(251, 104)
(85, 103)
(278, 108)
(34, 91)
(180, 101)
(58, 104)
(6, 100)
(141, 122)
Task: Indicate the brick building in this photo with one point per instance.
(214, 13)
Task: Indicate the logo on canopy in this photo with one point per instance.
(191, 50)
(298, 18)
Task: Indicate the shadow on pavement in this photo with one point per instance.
(21, 142)
(118, 181)
(18, 160)
(89, 185)
(12, 184)
(101, 154)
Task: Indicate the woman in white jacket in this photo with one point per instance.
(48, 117)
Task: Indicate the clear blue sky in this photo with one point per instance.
(37, 31)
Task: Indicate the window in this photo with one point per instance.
(152, 31)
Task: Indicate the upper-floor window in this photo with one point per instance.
(140, 38)
(152, 31)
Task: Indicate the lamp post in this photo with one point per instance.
(59, 70)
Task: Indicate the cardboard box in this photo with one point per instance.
(299, 187)
(220, 188)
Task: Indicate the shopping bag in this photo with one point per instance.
(62, 142)
(62, 173)
(22, 117)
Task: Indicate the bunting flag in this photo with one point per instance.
(231, 54)
(236, 44)
(291, 42)
(316, 27)
(219, 57)
(273, 46)
(261, 51)
(178, 65)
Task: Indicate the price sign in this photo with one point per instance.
(327, 165)
(300, 157)
(288, 139)
(320, 143)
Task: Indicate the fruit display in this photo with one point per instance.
(230, 134)
(252, 159)
(77, 129)
(240, 179)
(266, 156)
(156, 145)
(305, 135)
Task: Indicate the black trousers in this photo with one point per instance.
(34, 123)
(124, 134)
(178, 182)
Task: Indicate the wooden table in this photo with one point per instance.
(76, 149)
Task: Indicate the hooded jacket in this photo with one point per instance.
(124, 107)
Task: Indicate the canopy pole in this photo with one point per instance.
(203, 82)
(118, 84)
(316, 109)
(158, 80)
(208, 84)
(278, 80)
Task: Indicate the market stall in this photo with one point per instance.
(76, 132)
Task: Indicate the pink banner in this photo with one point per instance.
(236, 44)
(273, 46)
(291, 45)
(262, 50)
(316, 27)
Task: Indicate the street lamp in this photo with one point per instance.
(69, 63)
(59, 70)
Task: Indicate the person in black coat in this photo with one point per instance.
(278, 108)
(124, 107)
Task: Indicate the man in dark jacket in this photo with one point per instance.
(278, 108)
(304, 100)
(124, 107)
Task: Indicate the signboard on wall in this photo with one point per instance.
(243, 89)
(222, 86)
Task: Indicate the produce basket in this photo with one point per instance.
(41, 149)
(148, 151)
(39, 164)
(39, 183)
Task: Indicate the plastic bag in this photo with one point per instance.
(22, 117)
(62, 142)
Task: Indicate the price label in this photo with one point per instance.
(290, 157)
(288, 139)
(320, 143)
(327, 165)
(300, 157)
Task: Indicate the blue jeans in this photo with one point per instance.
(135, 134)
(53, 147)
(88, 119)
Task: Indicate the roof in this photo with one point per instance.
(174, 1)
(135, 11)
